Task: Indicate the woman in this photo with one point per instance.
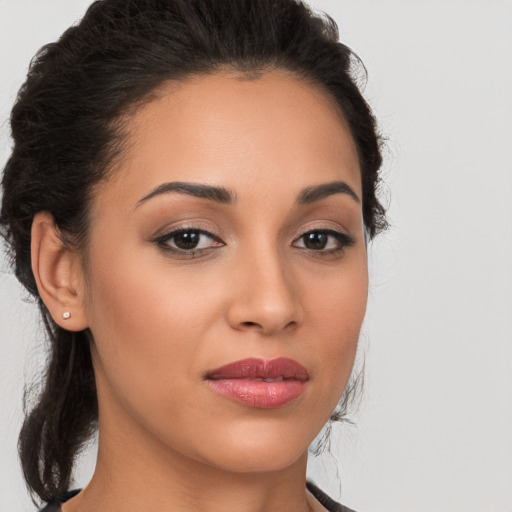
(189, 198)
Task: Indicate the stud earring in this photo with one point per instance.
(66, 315)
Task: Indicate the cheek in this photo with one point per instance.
(143, 324)
(337, 314)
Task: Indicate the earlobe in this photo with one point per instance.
(58, 274)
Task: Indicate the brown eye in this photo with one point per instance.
(183, 240)
(187, 240)
(315, 240)
(323, 240)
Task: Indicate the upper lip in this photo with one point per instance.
(256, 368)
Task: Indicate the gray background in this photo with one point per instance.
(434, 432)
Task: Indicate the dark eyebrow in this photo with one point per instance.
(218, 194)
(317, 192)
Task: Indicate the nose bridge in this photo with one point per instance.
(266, 297)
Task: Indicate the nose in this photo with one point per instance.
(265, 297)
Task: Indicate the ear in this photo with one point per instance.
(58, 274)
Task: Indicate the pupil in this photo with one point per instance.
(187, 240)
(315, 240)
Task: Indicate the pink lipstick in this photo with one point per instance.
(260, 383)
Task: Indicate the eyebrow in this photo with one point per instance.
(213, 193)
(224, 196)
(317, 192)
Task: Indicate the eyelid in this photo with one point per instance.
(170, 233)
(344, 239)
(187, 225)
(326, 226)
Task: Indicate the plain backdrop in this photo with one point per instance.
(434, 430)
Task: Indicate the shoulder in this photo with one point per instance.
(326, 501)
(54, 506)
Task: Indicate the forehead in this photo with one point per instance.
(225, 129)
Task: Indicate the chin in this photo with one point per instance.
(259, 461)
(257, 450)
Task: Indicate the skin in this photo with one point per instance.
(160, 320)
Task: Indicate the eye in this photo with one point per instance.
(188, 240)
(323, 240)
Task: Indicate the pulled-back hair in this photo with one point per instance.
(68, 127)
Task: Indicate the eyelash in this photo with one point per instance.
(163, 242)
(342, 239)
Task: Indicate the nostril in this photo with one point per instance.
(251, 324)
(268, 328)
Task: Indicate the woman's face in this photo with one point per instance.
(231, 233)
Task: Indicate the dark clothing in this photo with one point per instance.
(327, 502)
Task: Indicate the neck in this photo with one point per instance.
(134, 472)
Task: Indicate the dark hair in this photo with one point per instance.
(67, 126)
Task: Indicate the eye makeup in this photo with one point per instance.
(193, 242)
(324, 241)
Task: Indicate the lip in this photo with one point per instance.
(260, 383)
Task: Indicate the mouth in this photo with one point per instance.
(260, 383)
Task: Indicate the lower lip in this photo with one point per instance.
(259, 394)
